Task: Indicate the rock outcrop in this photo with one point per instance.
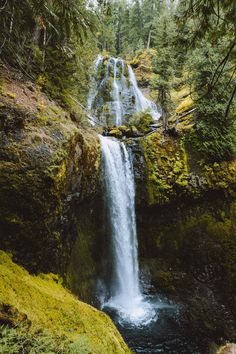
(48, 165)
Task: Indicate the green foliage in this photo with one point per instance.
(106, 34)
(127, 27)
(164, 62)
(214, 135)
(19, 340)
(44, 38)
(22, 340)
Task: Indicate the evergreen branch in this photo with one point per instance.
(221, 66)
(230, 102)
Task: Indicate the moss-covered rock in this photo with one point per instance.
(48, 306)
(85, 265)
(142, 65)
(115, 132)
(174, 170)
(186, 228)
(189, 249)
(48, 164)
(142, 121)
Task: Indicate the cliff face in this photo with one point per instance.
(48, 165)
(174, 171)
(49, 188)
(186, 221)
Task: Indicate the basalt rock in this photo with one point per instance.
(48, 165)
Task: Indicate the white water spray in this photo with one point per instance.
(141, 102)
(116, 90)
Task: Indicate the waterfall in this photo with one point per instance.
(117, 102)
(141, 102)
(93, 90)
(114, 94)
(125, 293)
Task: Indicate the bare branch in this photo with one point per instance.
(3, 7)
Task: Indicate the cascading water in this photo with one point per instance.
(117, 101)
(125, 293)
(147, 323)
(114, 95)
(141, 102)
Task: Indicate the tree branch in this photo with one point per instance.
(230, 102)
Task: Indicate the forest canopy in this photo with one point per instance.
(55, 42)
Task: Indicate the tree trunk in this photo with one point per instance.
(149, 38)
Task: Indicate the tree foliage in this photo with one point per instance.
(43, 37)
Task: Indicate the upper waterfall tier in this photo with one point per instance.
(114, 94)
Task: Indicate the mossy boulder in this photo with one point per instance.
(50, 307)
(116, 133)
(120, 132)
(142, 121)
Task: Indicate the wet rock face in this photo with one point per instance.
(140, 173)
(48, 165)
(186, 222)
(187, 250)
(88, 255)
(175, 172)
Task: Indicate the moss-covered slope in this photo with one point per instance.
(47, 305)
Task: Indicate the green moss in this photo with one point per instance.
(188, 242)
(175, 170)
(142, 64)
(51, 307)
(47, 161)
(142, 122)
(116, 133)
(166, 168)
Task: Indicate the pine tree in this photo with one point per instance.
(136, 24)
(163, 63)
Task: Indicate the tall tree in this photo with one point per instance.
(163, 63)
(136, 24)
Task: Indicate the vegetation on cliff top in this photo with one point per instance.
(50, 42)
